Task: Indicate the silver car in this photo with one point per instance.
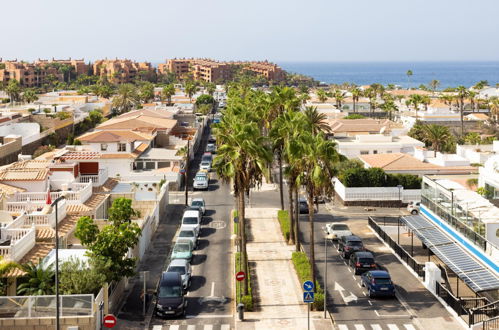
(188, 234)
(201, 181)
(183, 267)
(199, 203)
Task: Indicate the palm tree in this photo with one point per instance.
(14, 90)
(389, 107)
(462, 94)
(372, 95)
(339, 97)
(472, 96)
(436, 135)
(321, 95)
(167, 93)
(40, 280)
(494, 107)
(409, 75)
(415, 100)
(29, 95)
(316, 121)
(434, 85)
(447, 99)
(319, 156)
(425, 101)
(356, 94)
(126, 98)
(190, 89)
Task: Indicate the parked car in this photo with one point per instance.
(170, 296)
(183, 267)
(201, 181)
(212, 139)
(182, 250)
(188, 234)
(205, 165)
(378, 283)
(413, 207)
(303, 205)
(199, 203)
(211, 147)
(362, 261)
(192, 219)
(207, 156)
(349, 244)
(337, 230)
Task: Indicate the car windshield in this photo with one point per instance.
(200, 177)
(340, 227)
(205, 163)
(187, 233)
(182, 248)
(197, 203)
(169, 291)
(206, 158)
(366, 261)
(190, 221)
(355, 243)
(382, 280)
(177, 269)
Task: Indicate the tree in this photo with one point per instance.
(316, 121)
(434, 84)
(473, 138)
(494, 108)
(167, 93)
(462, 94)
(371, 94)
(389, 107)
(409, 75)
(356, 94)
(76, 277)
(190, 89)
(415, 100)
(14, 90)
(339, 97)
(6, 265)
(481, 84)
(108, 247)
(40, 280)
(104, 90)
(321, 95)
(126, 98)
(146, 93)
(206, 100)
(472, 95)
(29, 95)
(436, 135)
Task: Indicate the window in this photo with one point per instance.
(364, 152)
(121, 147)
(103, 146)
(389, 152)
(375, 152)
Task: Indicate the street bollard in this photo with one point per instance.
(240, 310)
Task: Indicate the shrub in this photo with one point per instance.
(283, 217)
(376, 177)
(247, 300)
(302, 268)
(354, 116)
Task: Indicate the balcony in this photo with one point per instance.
(77, 193)
(16, 242)
(33, 214)
(97, 180)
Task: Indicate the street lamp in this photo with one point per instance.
(329, 236)
(400, 200)
(52, 205)
(188, 158)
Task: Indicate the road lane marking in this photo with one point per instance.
(212, 289)
(354, 277)
(349, 269)
(392, 326)
(157, 327)
(209, 316)
(359, 285)
(359, 327)
(342, 327)
(225, 327)
(370, 303)
(193, 327)
(376, 312)
(174, 327)
(364, 294)
(208, 327)
(376, 327)
(409, 326)
(351, 297)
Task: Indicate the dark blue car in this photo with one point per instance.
(378, 283)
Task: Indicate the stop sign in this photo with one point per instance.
(110, 321)
(240, 276)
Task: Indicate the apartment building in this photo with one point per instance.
(179, 67)
(269, 70)
(120, 71)
(79, 65)
(28, 74)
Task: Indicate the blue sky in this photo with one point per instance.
(278, 30)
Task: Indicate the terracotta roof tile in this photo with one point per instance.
(26, 174)
(115, 136)
(81, 155)
(10, 190)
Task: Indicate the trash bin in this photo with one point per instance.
(240, 311)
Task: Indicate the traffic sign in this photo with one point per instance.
(240, 276)
(308, 297)
(236, 219)
(308, 286)
(182, 171)
(110, 321)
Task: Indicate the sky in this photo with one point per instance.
(277, 30)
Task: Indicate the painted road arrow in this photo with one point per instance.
(342, 291)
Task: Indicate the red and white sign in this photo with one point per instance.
(110, 321)
(240, 276)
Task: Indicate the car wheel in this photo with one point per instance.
(189, 283)
(414, 212)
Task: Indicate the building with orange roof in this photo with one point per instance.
(119, 71)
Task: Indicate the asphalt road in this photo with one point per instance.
(209, 297)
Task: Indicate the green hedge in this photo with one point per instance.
(302, 268)
(376, 177)
(247, 300)
(283, 217)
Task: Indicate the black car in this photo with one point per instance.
(349, 244)
(362, 262)
(302, 205)
(170, 296)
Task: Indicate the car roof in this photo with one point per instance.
(302, 199)
(364, 254)
(183, 228)
(352, 238)
(191, 213)
(170, 277)
(338, 223)
(178, 263)
(199, 199)
(380, 273)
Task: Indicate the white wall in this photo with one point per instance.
(122, 166)
(30, 186)
(29, 131)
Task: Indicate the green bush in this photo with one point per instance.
(247, 300)
(283, 217)
(302, 268)
(376, 177)
(354, 116)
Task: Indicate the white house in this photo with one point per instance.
(478, 154)
(353, 147)
(489, 176)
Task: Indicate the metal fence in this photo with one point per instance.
(403, 254)
(491, 324)
(45, 306)
(447, 296)
(485, 313)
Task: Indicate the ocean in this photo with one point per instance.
(450, 74)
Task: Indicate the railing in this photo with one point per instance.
(97, 180)
(485, 313)
(450, 299)
(21, 241)
(491, 324)
(36, 219)
(45, 306)
(78, 194)
(403, 254)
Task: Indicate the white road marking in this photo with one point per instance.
(225, 327)
(376, 327)
(359, 285)
(345, 263)
(174, 327)
(208, 327)
(191, 327)
(365, 295)
(349, 269)
(370, 303)
(209, 316)
(354, 277)
(392, 326)
(376, 312)
(359, 327)
(409, 326)
(212, 289)
(351, 297)
(157, 327)
(342, 327)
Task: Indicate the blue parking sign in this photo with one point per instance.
(308, 286)
(308, 297)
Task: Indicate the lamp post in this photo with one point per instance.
(400, 200)
(325, 274)
(188, 158)
(55, 204)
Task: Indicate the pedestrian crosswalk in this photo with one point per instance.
(192, 327)
(388, 326)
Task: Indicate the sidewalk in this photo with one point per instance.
(278, 294)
